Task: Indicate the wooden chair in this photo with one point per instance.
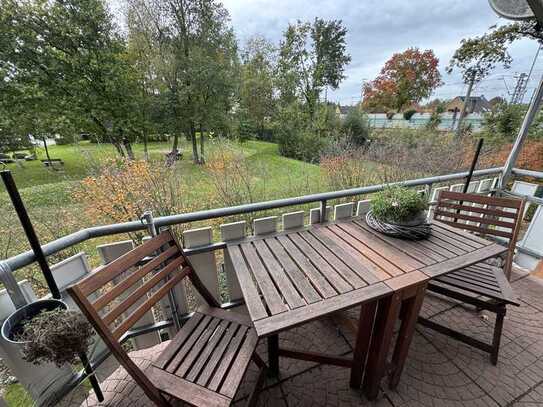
(203, 365)
(486, 284)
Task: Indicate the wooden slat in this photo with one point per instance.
(465, 236)
(320, 263)
(480, 199)
(147, 305)
(210, 346)
(146, 287)
(123, 263)
(226, 361)
(368, 271)
(469, 287)
(401, 260)
(232, 316)
(189, 343)
(319, 282)
(196, 348)
(435, 248)
(456, 263)
(217, 355)
(446, 245)
(409, 279)
(179, 339)
(288, 320)
(505, 285)
(483, 231)
(476, 219)
(184, 390)
(409, 248)
(273, 299)
(279, 276)
(250, 293)
(365, 251)
(468, 281)
(133, 278)
(298, 278)
(361, 269)
(446, 238)
(478, 209)
(336, 260)
(239, 366)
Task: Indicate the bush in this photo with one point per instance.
(408, 114)
(398, 204)
(390, 114)
(356, 127)
(304, 145)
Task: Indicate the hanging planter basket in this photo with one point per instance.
(417, 230)
(13, 325)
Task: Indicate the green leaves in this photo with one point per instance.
(396, 204)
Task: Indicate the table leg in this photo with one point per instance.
(273, 355)
(387, 314)
(407, 329)
(362, 344)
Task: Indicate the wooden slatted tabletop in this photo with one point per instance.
(295, 276)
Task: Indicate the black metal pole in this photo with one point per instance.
(92, 377)
(29, 231)
(473, 164)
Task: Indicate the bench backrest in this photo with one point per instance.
(486, 216)
(154, 268)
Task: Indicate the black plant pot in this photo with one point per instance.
(13, 324)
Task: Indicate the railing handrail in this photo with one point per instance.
(23, 259)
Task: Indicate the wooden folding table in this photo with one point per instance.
(296, 276)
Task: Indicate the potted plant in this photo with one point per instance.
(400, 212)
(46, 331)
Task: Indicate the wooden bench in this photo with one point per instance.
(484, 285)
(205, 362)
(52, 161)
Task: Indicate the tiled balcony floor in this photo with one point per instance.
(439, 372)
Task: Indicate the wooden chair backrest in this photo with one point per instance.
(484, 215)
(113, 310)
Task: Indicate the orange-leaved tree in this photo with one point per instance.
(407, 78)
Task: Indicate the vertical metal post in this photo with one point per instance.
(13, 193)
(324, 212)
(473, 164)
(521, 137)
(13, 289)
(147, 219)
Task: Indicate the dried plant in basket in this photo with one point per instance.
(58, 336)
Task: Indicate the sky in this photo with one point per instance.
(379, 28)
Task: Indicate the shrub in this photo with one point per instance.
(390, 114)
(304, 145)
(356, 127)
(396, 204)
(57, 336)
(408, 114)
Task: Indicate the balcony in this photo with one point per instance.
(439, 369)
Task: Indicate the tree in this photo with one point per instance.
(407, 78)
(312, 56)
(478, 56)
(71, 53)
(192, 50)
(256, 92)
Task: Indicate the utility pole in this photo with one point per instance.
(520, 89)
(464, 106)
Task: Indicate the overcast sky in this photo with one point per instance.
(379, 28)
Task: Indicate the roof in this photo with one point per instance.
(477, 104)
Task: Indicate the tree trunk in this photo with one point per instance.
(464, 107)
(119, 148)
(128, 148)
(202, 140)
(195, 157)
(47, 152)
(145, 148)
(175, 143)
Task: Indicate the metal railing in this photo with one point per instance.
(26, 258)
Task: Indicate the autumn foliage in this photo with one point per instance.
(406, 79)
